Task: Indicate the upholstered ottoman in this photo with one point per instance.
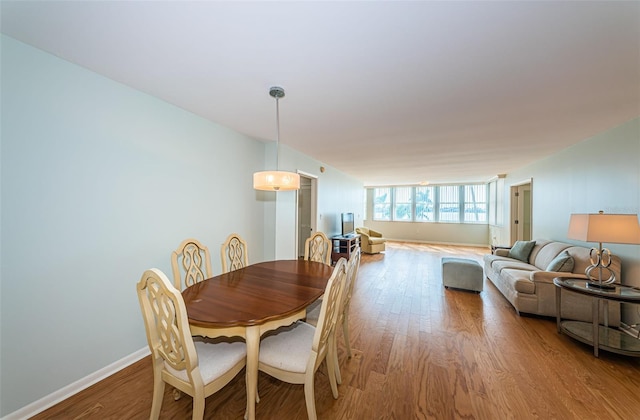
(461, 273)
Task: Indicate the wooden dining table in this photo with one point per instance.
(253, 300)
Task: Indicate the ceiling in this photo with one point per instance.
(389, 92)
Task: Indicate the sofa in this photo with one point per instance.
(371, 241)
(527, 283)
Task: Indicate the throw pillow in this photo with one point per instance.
(563, 262)
(521, 250)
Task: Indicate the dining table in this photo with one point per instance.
(252, 300)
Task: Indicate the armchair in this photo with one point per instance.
(371, 241)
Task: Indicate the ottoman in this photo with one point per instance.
(461, 273)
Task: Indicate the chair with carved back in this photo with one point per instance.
(343, 316)
(294, 353)
(318, 248)
(233, 253)
(191, 263)
(198, 368)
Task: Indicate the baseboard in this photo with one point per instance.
(79, 385)
(414, 241)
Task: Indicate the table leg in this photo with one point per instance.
(558, 306)
(596, 329)
(253, 347)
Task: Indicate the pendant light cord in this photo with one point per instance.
(277, 133)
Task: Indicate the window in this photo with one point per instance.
(435, 203)
(475, 203)
(382, 204)
(402, 208)
(424, 204)
(449, 203)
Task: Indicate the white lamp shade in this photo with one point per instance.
(276, 181)
(609, 228)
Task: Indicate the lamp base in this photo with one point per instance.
(600, 286)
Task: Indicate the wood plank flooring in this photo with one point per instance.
(419, 352)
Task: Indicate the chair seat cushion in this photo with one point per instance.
(288, 348)
(214, 359)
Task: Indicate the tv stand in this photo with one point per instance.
(343, 246)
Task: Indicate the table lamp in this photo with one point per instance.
(601, 227)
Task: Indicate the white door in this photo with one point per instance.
(306, 211)
(521, 212)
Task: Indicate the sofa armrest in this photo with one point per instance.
(502, 252)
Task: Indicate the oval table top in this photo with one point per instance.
(256, 294)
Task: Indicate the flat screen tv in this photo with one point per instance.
(348, 227)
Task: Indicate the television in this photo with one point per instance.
(348, 228)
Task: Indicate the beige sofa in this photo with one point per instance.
(371, 241)
(529, 287)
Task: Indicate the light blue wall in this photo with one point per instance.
(337, 193)
(600, 173)
(100, 182)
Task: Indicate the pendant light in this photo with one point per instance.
(276, 180)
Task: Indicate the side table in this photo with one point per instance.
(343, 246)
(599, 336)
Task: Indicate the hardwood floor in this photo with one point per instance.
(419, 352)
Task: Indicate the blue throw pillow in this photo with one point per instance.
(563, 262)
(521, 250)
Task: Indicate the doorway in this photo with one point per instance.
(306, 210)
(521, 212)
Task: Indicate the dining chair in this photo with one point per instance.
(343, 315)
(233, 253)
(293, 354)
(191, 263)
(198, 369)
(318, 248)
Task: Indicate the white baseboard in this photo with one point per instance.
(414, 241)
(79, 385)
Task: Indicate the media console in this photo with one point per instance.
(343, 246)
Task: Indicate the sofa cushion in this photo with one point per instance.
(499, 265)
(548, 253)
(563, 262)
(521, 250)
(375, 241)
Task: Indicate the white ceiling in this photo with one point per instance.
(389, 92)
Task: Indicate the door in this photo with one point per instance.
(306, 201)
(521, 212)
